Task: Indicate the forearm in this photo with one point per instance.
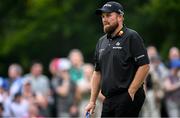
(169, 86)
(64, 88)
(174, 87)
(139, 78)
(95, 86)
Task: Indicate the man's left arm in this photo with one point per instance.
(138, 80)
(139, 53)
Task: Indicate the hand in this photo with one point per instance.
(73, 110)
(131, 93)
(90, 108)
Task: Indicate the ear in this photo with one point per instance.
(120, 18)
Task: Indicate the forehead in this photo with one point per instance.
(109, 13)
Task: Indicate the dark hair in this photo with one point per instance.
(1, 106)
(18, 94)
(36, 62)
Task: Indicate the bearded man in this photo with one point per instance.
(121, 66)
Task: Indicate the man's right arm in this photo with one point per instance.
(95, 88)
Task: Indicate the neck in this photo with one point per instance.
(117, 30)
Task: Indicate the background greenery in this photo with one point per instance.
(44, 29)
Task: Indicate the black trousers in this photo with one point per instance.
(121, 105)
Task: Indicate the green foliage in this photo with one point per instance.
(161, 23)
(44, 29)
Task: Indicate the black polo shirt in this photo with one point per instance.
(118, 59)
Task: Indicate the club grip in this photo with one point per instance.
(87, 115)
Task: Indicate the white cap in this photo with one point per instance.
(64, 64)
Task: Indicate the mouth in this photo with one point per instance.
(106, 25)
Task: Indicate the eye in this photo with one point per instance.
(102, 16)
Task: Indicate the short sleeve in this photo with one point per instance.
(138, 50)
(96, 58)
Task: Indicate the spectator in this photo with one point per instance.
(174, 54)
(19, 107)
(172, 87)
(65, 90)
(3, 90)
(16, 81)
(154, 103)
(42, 103)
(77, 61)
(39, 82)
(27, 93)
(152, 51)
(33, 112)
(4, 84)
(4, 98)
(1, 110)
(84, 86)
(53, 68)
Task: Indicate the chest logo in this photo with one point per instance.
(117, 47)
(117, 44)
(101, 50)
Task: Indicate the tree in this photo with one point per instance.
(44, 29)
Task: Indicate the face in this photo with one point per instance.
(152, 51)
(27, 87)
(174, 53)
(76, 59)
(110, 21)
(63, 74)
(36, 69)
(12, 73)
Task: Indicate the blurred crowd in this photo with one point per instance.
(67, 91)
(162, 85)
(64, 94)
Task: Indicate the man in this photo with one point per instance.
(39, 81)
(65, 90)
(121, 65)
(15, 79)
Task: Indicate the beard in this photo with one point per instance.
(110, 28)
